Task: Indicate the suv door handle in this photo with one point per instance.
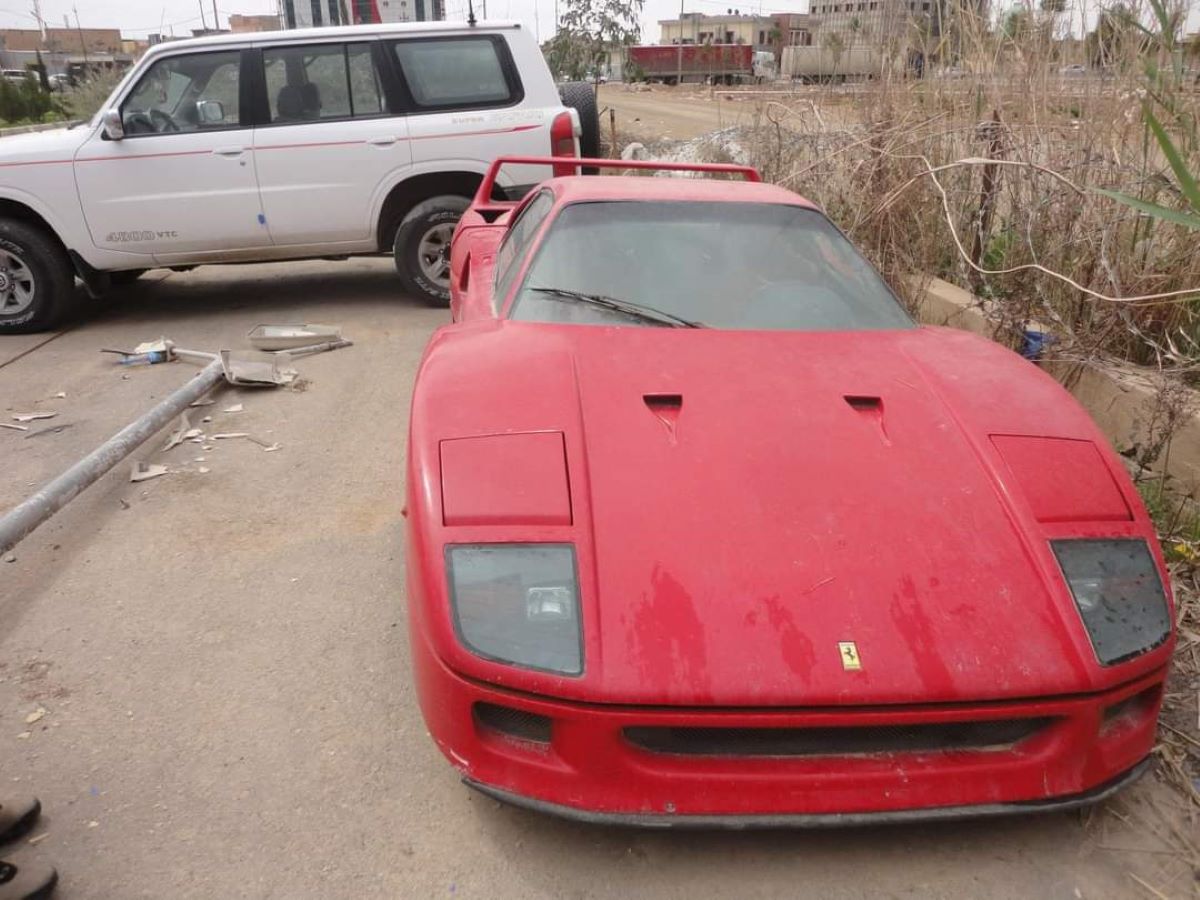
(229, 151)
(383, 141)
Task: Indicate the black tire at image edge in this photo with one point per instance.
(580, 96)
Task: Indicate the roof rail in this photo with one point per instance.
(484, 195)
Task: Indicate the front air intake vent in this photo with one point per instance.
(857, 741)
(514, 723)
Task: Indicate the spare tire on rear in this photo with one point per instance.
(580, 96)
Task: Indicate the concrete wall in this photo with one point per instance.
(1126, 401)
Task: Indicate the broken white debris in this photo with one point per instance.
(205, 401)
(145, 471)
(203, 470)
(61, 395)
(179, 434)
(31, 417)
(14, 427)
(193, 433)
(271, 448)
(35, 716)
(159, 346)
(229, 434)
(236, 408)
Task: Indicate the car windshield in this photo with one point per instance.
(715, 265)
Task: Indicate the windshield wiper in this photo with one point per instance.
(628, 307)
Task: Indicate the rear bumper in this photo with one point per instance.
(821, 820)
(583, 765)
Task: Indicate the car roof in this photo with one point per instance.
(573, 189)
(344, 32)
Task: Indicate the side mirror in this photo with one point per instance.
(210, 112)
(114, 128)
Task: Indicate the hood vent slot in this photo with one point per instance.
(667, 408)
(864, 404)
(870, 408)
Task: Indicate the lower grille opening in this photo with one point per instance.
(515, 723)
(851, 741)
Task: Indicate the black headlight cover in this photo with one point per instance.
(1119, 595)
(517, 604)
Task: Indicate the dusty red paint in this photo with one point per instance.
(724, 554)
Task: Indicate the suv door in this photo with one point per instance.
(465, 100)
(329, 142)
(182, 179)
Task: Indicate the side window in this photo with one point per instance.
(457, 73)
(193, 92)
(325, 81)
(516, 242)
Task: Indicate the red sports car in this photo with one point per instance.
(704, 530)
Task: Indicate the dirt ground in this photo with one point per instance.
(662, 112)
(223, 662)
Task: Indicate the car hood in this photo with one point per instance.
(791, 519)
(54, 145)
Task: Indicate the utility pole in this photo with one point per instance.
(79, 31)
(216, 22)
(679, 66)
(203, 21)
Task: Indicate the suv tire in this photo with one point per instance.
(37, 282)
(580, 96)
(422, 247)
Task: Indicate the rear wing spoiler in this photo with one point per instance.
(483, 197)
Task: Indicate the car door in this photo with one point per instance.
(466, 102)
(181, 181)
(329, 143)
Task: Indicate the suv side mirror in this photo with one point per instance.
(210, 112)
(114, 127)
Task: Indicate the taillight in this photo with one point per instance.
(562, 141)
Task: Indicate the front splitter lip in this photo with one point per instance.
(822, 820)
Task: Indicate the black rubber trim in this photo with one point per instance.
(820, 820)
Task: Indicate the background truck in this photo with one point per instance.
(712, 63)
(822, 64)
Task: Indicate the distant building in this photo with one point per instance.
(791, 30)
(319, 13)
(733, 28)
(240, 24)
(64, 50)
(770, 32)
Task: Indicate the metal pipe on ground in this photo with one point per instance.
(22, 519)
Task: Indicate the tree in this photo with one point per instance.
(834, 43)
(1116, 36)
(588, 33)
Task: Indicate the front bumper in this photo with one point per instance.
(586, 767)
(821, 820)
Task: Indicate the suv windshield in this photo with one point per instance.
(720, 265)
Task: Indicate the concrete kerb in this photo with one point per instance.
(1123, 399)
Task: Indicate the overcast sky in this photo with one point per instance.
(136, 18)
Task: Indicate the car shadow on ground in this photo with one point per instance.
(272, 290)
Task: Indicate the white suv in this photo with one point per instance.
(276, 146)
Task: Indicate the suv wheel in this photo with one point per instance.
(37, 284)
(581, 96)
(422, 248)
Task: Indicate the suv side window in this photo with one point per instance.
(319, 82)
(186, 93)
(458, 72)
(512, 249)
